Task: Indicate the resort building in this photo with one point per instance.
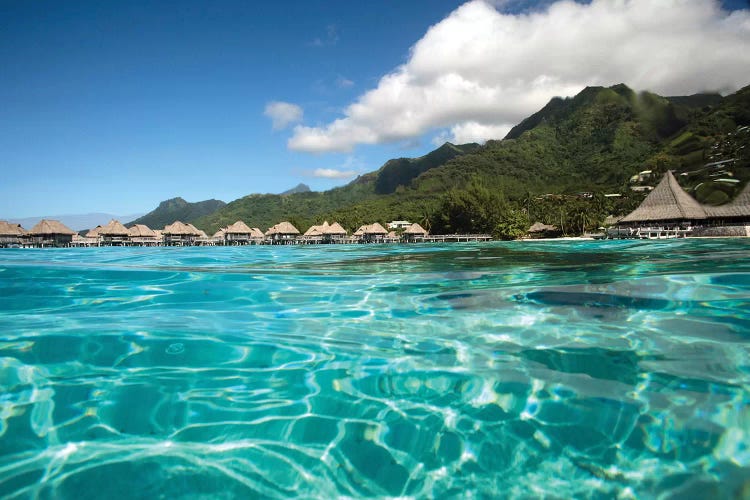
(283, 233)
(240, 233)
(399, 224)
(670, 212)
(414, 233)
(113, 234)
(325, 233)
(180, 234)
(10, 234)
(371, 233)
(541, 230)
(142, 235)
(50, 233)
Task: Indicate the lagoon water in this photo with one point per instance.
(522, 369)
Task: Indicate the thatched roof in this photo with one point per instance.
(416, 229)
(336, 228)
(283, 228)
(668, 201)
(180, 228)
(314, 231)
(611, 220)
(8, 229)
(256, 233)
(374, 229)
(539, 227)
(738, 207)
(219, 234)
(93, 233)
(45, 226)
(325, 228)
(141, 231)
(238, 227)
(114, 228)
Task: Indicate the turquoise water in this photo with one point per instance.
(557, 369)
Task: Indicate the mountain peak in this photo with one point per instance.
(299, 188)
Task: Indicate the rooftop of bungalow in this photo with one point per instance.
(669, 202)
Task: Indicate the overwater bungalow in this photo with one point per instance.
(414, 233)
(325, 233)
(283, 233)
(113, 234)
(238, 233)
(670, 212)
(10, 234)
(180, 234)
(50, 233)
(371, 233)
(142, 235)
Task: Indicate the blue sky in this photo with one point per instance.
(116, 106)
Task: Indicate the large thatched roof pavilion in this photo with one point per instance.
(668, 202)
(669, 211)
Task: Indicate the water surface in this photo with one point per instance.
(559, 369)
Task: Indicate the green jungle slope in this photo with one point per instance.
(177, 209)
(554, 167)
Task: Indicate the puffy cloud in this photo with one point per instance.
(283, 114)
(481, 70)
(332, 173)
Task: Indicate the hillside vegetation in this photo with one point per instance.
(177, 209)
(554, 167)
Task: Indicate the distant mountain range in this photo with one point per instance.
(77, 222)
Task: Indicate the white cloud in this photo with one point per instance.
(283, 114)
(480, 70)
(332, 173)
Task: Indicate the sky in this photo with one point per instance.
(115, 106)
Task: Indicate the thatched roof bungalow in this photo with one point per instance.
(180, 234)
(283, 233)
(238, 233)
(325, 233)
(141, 234)
(371, 233)
(10, 234)
(50, 233)
(414, 232)
(114, 233)
(541, 230)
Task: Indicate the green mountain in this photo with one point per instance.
(304, 209)
(177, 209)
(299, 188)
(555, 167)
